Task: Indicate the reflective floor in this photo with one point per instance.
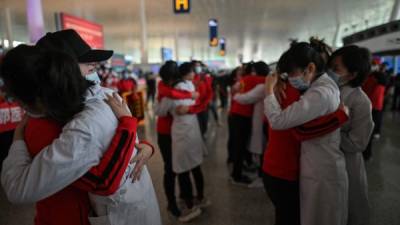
(233, 205)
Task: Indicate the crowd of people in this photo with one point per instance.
(302, 131)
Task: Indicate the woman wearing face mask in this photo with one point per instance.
(350, 67)
(323, 177)
(56, 97)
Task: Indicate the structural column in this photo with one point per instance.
(144, 38)
(9, 35)
(34, 14)
(176, 46)
(395, 11)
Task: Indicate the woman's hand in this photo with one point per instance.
(280, 90)
(195, 95)
(144, 154)
(236, 87)
(20, 129)
(182, 109)
(344, 109)
(120, 108)
(270, 83)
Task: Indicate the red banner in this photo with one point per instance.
(91, 32)
(10, 115)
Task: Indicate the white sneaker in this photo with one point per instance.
(204, 203)
(377, 136)
(188, 215)
(257, 183)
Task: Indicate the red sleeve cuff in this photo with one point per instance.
(342, 116)
(127, 122)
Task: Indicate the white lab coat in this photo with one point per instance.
(323, 176)
(255, 96)
(355, 135)
(78, 148)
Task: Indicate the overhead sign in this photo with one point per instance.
(166, 54)
(213, 26)
(181, 6)
(382, 40)
(91, 32)
(222, 47)
(118, 62)
(384, 43)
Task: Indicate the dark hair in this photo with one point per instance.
(248, 68)
(168, 71)
(184, 69)
(49, 78)
(232, 76)
(300, 54)
(357, 61)
(261, 68)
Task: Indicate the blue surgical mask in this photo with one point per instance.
(339, 80)
(299, 83)
(335, 77)
(94, 77)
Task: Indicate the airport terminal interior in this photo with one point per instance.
(235, 112)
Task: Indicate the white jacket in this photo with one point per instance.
(355, 135)
(255, 96)
(323, 176)
(78, 148)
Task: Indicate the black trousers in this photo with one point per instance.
(230, 139)
(165, 145)
(241, 132)
(150, 95)
(6, 139)
(223, 99)
(185, 184)
(213, 108)
(377, 116)
(284, 195)
(396, 99)
(202, 117)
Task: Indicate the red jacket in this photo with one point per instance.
(282, 155)
(203, 84)
(375, 92)
(164, 123)
(126, 85)
(246, 84)
(71, 205)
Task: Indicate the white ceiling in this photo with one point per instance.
(258, 29)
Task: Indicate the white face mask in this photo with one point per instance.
(197, 69)
(299, 83)
(94, 77)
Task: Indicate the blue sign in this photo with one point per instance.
(181, 6)
(166, 54)
(222, 46)
(213, 26)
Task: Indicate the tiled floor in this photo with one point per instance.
(240, 206)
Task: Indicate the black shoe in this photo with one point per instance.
(242, 181)
(174, 211)
(250, 168)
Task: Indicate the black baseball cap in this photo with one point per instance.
(70, 42)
